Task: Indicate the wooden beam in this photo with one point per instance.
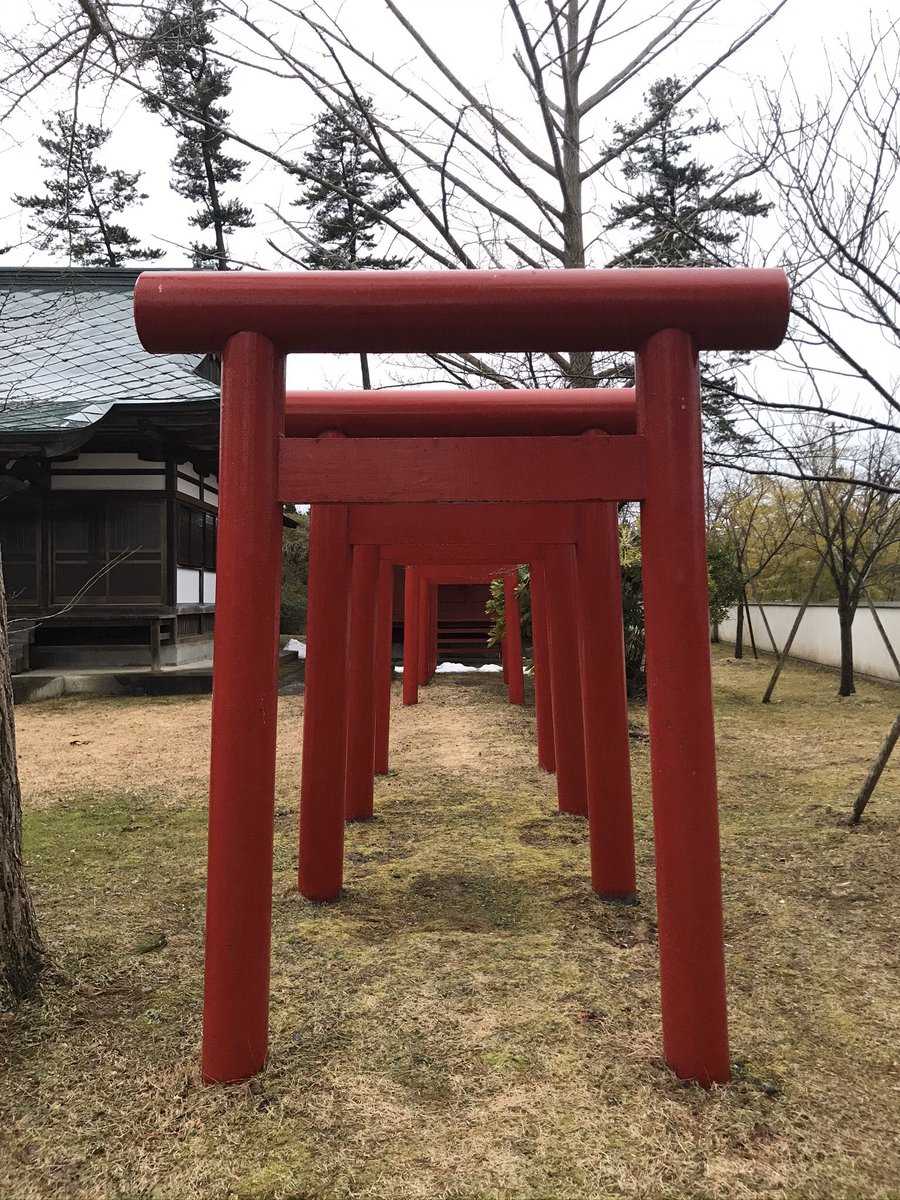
(338, 470)
(496, 558)
(475, 524)
(386, 312)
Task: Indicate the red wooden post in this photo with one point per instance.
(383, 671)
(436, 628)
(411, 637)
(605, 700)
(515, 671)
(543, 694)
(568, 724)
(324, 767)
(424, 590)
(245, 697)
(504, 659)
(679, 695)
(361, 720)
(433, 630)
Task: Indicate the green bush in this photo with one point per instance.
(293, 610)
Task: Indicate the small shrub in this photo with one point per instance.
(293, 610)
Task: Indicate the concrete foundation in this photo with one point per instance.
(196, 680)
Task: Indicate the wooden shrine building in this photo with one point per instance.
(108, 489)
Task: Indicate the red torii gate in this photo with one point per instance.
(462, 414)
(369, 666)
(421, 623)
(587, 667)
(666, 317)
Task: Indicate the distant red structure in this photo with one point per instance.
(272, 453)
(422, 622)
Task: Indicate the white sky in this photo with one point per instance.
(476, 36)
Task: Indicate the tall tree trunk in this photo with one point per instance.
(846, 612)
(581, 362)
(21, 951)
(739, 632)
(746, 605)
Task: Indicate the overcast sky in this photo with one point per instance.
(475, 36)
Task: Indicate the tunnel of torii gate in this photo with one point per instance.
(420, 624)
(269, 455)
(583, 609)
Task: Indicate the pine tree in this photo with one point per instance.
(191, 86)
(77, 215)
(348, 195)
(685, 215)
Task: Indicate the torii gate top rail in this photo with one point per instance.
(430, 311)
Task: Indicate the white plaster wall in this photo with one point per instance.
(188, 489)
(187, 586)
(818, 638)
(209, 587)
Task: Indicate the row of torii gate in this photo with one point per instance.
(451, 480)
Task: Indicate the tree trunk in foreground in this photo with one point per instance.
(22, 954)
(845, 620)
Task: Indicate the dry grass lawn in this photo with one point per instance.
(468, 1021)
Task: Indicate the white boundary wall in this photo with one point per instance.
(818, 638)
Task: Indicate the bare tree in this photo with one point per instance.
(757, 517)
(482, 188)
(859, 523)
(834, 164)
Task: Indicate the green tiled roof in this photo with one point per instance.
(69, 351)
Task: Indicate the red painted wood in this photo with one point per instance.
(411, 637)
(605, 702)
(444, 575)
(425, 413)
(459, 470)
(666, 315)
(433, 632)
(568, 722)
(679, 697)
(245, 698)
(472, 524)
(383, 667)
(364, 596)
(424, 622)
(513, 640)
(543, 693)
(500, 556)
(195, 312)
(324, 766)
(430, 575)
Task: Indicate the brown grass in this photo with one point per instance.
(469, 1021)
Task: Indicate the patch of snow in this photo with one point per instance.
(455, 668)
(452, 668)
(295, 647)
